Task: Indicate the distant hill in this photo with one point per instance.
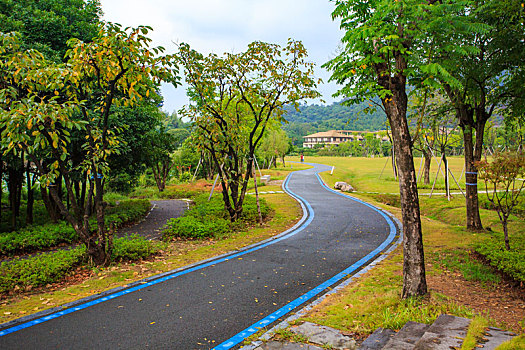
(315, 118)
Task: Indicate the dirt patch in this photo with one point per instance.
(503, 302)
(275, 182)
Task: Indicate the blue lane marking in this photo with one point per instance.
(254, 328)
(64, 312)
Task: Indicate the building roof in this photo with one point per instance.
(331, 133)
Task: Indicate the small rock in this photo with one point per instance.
(343, 186)
(324, 336)
(265, 179)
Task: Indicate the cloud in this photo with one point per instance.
(229, 26)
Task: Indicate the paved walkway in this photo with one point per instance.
(219, 302)
(160, 213)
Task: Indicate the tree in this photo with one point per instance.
(234, 98)
(44, 102)
(384, 44)
(488, 73)
(501, 177)
(46, 26)
(275, 144)
(161, 145)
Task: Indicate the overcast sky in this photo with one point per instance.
(229, 26)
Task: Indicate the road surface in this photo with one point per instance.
(219, 302)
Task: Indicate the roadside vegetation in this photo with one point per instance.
(64, 275)
(471, 262)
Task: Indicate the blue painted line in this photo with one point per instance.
(471, 184)
(64, 312)
(254, 328)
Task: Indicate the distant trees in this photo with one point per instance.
(310, 119)
(233, 99)
(275, 144)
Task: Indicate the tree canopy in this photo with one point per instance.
(233, 99)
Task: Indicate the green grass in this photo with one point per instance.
(209, 219)
(475, 333)
(374, 301)
(471, 269)
(518, 343)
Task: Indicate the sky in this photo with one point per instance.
(221, 26)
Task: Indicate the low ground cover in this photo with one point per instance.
(209, 219)
(41, 237)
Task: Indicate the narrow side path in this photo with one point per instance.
(220, 301)
(160, 213)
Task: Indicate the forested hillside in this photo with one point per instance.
(315, 118)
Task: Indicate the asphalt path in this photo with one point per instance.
(219, 302)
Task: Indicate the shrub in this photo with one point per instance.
(127, 211)
(193, 228)
(211, 220)
(511, 262)
(34, 238)
(39, 270)
(133, 247)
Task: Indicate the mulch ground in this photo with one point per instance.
(503, 302)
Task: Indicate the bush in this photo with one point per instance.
(127, 211)
(193, 228)
(39, 270)
(211, 220)
(36, 238)
(133, 247)
(511, 262)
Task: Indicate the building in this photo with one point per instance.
(332, 137)
(335, 137)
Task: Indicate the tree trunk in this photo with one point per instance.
(47, 203)
(426, 166)
(445, 165)
(30, 196)
(471, 181)
(414, 279)
(157, 174)
(506, 232)
(257, 195)
(101, 253)
(14, 185)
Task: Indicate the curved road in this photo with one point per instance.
(219, 302)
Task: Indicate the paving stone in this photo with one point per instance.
(445, 333)
(324, 336)
(495, 337)
(377, 340)
(407, 336)
(277, 345)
